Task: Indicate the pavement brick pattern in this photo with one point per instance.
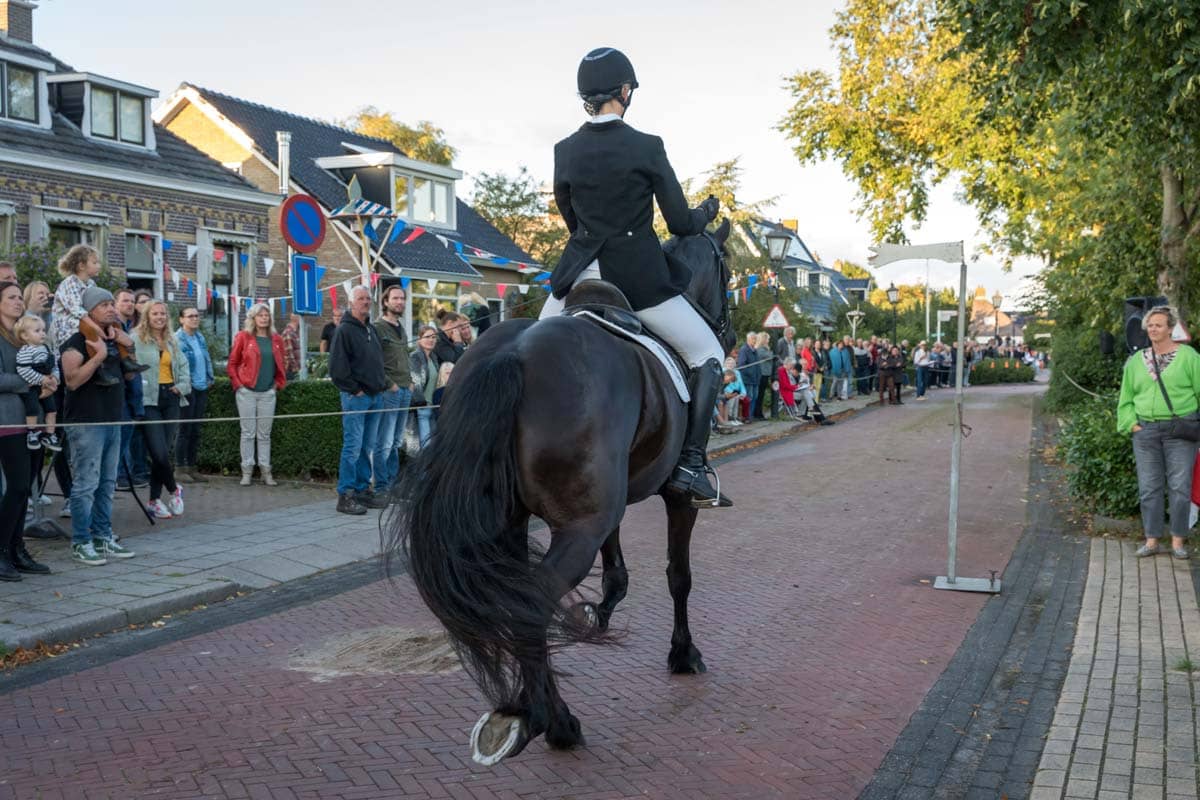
(808, 602)
(1125, 724)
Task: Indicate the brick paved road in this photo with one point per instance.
(820, 639)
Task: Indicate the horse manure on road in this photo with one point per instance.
(376, 651)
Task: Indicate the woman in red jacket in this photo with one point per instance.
(255, 381)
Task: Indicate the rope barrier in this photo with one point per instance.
(206, 420)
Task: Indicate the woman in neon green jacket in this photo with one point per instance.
(1163, 461)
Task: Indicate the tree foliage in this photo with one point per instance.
(851, 270)
(425, 142)
(519, 209)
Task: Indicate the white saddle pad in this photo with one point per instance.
(656, 349)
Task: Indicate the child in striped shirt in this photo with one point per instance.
(34, 363)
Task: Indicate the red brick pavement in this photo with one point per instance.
(807, 603)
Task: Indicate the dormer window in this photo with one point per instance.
(20, 92)
(421, 193)
(104, 108)
(423, 200)
(116, 115)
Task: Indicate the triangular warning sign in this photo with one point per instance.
(775, 319)
(1180, 333)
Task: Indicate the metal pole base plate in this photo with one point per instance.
(968, 585)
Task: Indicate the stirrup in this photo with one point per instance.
(720, 501)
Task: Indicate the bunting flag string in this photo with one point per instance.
(268, 265)
(191, 252)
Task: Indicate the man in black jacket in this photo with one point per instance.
(356, 369)
(606, 178)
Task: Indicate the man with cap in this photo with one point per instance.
(95, 449)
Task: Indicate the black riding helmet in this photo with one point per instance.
(603, 72)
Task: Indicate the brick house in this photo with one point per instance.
(323, 159)
(81, 160)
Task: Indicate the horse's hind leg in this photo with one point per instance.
(567, 562)
(616, 578)
(681, 518)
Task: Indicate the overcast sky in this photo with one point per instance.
(500, 79)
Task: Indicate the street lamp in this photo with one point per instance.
(855, 316)
(997, 299)
(778, 242)
(893, 296)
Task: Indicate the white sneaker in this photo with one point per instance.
(66, 510)
(159, 510)
(175, 504)
(44, 501)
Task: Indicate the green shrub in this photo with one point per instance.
(300, 448)
(1101, 471)
(38, 261)
(1000, 370)
(1077, 355)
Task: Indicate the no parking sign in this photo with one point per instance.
(302, 223)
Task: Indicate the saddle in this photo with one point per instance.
(604, 300)
(604, 305)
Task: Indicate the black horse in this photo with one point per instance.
(562, 420)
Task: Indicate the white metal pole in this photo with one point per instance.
(956, 453)
(927, 300)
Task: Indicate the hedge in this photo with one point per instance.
(1101, 470)
(300, 448)
(1000, 370)
(1077, 356)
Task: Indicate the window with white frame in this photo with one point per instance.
(118, 116)
(66, 235)
(422, 199)
(814, 281)
(8, 226)
(143, 253)
(20, 93)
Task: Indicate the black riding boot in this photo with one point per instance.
(691, 473)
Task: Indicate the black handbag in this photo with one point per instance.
(1180, 427)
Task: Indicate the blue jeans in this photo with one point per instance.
(359, 432)
(94, 455)
(391, 435)
(922, 380)
(425, 425)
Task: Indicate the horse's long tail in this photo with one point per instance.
(461, 528)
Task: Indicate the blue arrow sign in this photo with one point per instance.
(306, 278)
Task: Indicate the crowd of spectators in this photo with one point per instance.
(90, 360)
(803, 373)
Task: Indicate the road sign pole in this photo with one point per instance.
(950, 580)
(284, 140)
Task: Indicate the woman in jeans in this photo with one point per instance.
(766, 358)
(257, 370)
(15, 458)
(165, 387)
(424, 365)
(1164, 461)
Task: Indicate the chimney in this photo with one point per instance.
(16, 19)
(791, 224)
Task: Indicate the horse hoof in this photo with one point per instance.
(686, 661)
(690, 668)
(495, 737)
(586, 614)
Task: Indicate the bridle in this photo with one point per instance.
(723, 324)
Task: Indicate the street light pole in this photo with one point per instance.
(893, 296)
(997, 299)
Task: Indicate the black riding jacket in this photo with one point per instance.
(606, 178)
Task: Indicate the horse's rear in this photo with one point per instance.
(561, 420)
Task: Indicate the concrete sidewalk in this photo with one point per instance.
(231, 539)
(1125, 725)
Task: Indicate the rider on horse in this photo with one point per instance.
(606, 177)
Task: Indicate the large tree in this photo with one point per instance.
(913, 104)
(519, 209)
(425, 142)
(1128, 71)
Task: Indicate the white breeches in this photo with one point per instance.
(674, 320)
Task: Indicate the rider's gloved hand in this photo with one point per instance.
(711, 206)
